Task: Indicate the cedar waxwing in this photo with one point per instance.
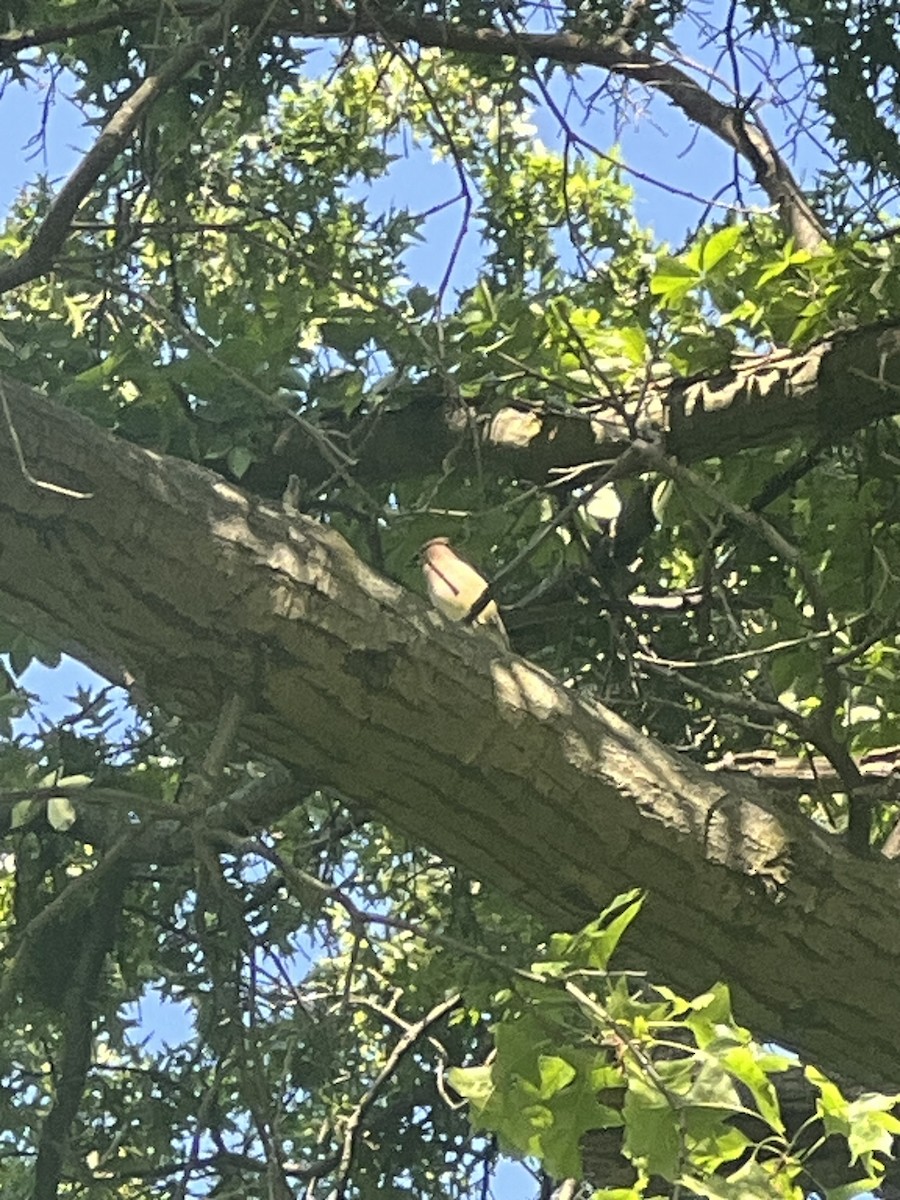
(454, 587)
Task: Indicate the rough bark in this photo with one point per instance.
(818, 398)
(200, 591)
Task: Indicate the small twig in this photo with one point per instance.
(117, 799)
(44, 484)
(698, 664)
(785, 550)
(458, 164)
(331, 453)
(624, 465)
(746, 706)
(313, 892)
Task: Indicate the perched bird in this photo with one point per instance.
(454, 586)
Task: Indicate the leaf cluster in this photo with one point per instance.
(579, 1049)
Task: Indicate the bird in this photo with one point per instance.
(455, 586)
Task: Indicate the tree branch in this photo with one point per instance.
(353, 1124)
(762, 401)
(53, 230)
(97, 936)
(204, 592)
(729, 123)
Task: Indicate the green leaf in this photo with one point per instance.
(742, 1063)
(718, 246)
(474, 1083)
(652, 1135)
(673, 280)
(23, 811)
(858, 1187)
(593, 946)
(420, 300)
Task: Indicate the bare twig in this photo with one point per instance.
(622, 467)
(819, 728)
(43, 484)
(458, 166)
(354, 1121)
(780, 546)
(726, 122)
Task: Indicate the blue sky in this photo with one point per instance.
(661, 145)
(658, 143)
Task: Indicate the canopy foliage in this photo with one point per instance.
(393, 266)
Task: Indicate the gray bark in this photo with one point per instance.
(817, 398)
(200, 592)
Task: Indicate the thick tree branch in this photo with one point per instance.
(762, 401)
(15, 41)
(203, 592)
